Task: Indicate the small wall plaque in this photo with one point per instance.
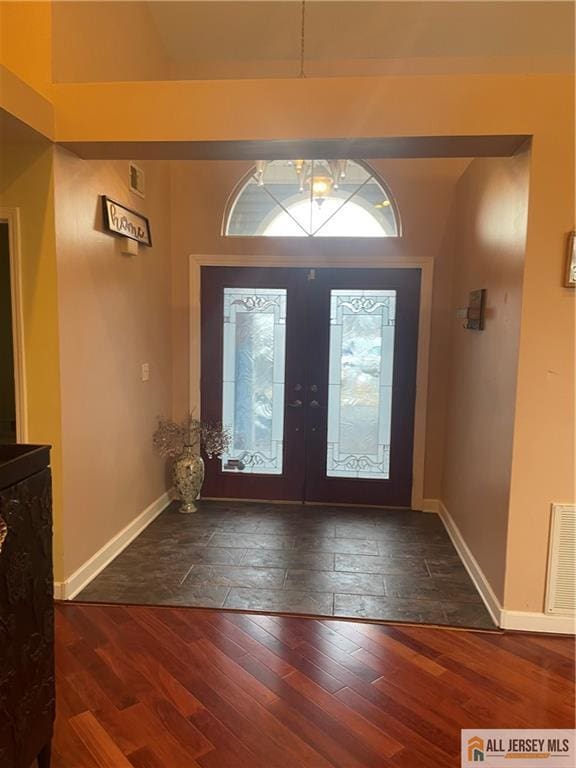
(476, 309)
(125, 222)
(570, 276)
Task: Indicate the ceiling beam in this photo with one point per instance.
(362, 148)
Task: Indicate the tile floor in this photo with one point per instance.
(328, 561)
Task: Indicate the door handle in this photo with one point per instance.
(314, 404)
(295, 404)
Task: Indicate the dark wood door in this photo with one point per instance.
(362, 386)
(315, 372)
(251, 318)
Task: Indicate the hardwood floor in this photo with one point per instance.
(144, 687)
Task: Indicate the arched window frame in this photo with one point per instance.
(249, 175)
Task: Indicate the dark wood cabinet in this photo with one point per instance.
(27, 692)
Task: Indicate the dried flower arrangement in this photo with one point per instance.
(171, 437)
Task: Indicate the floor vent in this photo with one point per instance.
(561, 584)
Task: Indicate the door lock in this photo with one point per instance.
(314, 404)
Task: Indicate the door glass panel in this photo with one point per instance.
(253, 379)
(360, 383)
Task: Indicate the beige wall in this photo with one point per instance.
(99, 41)
(423, 191)
(26, 183)
(488, 223)
(114, 315)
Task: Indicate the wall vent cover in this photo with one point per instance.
(561, 582)
(137, 179)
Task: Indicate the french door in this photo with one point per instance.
(314, 373)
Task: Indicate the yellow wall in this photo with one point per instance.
(488, 226)
(26, 42)
(312, 108)
(26, 182)
(115, 314)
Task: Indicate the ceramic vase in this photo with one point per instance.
(188, 475)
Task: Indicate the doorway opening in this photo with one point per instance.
(309, 349)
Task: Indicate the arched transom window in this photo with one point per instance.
(312, 198)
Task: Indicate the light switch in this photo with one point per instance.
(145, 371)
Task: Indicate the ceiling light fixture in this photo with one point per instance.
(315, 177)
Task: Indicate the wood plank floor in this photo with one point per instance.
(144, 687)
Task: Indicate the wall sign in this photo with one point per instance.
(125, 222)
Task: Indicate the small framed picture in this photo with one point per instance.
(570, 275)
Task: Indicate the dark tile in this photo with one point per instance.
(351, 546)
(164, 540)
(431, 588)
(125, 592)
(357, 531)
(252, 541)
(213, 555)
(286, 601)
(277, 558)
(468, 615)
(290, 527)
(198, 595)
(400, 525)
(448, 566)
(143, 573)
(382, 564)
(426, 551)
(388, 609)
(238, 526)
(234, 576)
(412, 535)
(390, 565)
(333, 581)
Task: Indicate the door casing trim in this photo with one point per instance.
(426, 266)
(11, 217)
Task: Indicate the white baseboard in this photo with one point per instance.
(538, 622)
(521, 621)
(481, 583)
(68, 589)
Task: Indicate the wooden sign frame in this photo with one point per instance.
(125, 222)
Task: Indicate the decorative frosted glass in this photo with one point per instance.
(253, 379)
(360, 383)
